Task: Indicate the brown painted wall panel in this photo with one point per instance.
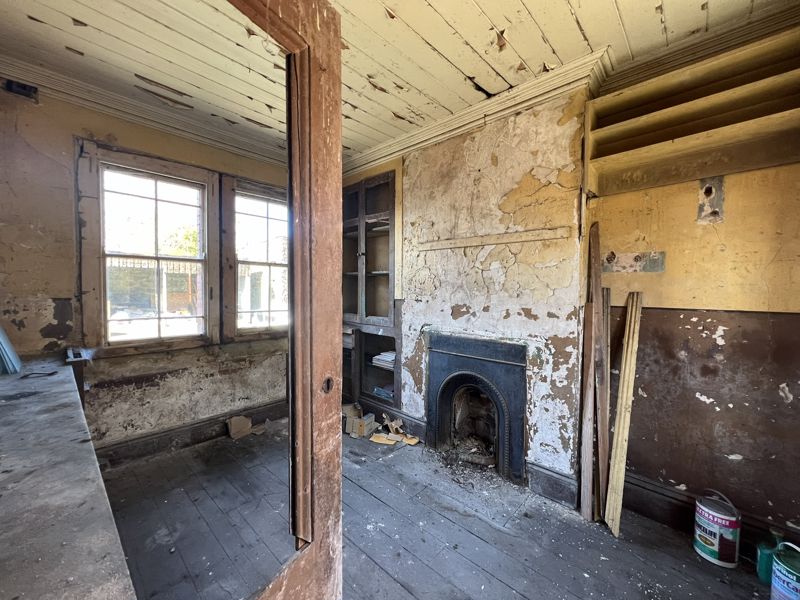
(717, 405)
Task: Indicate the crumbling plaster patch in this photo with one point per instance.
(129, 396)
(517, 174)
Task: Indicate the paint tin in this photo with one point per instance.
(786, 573)
(717, 525)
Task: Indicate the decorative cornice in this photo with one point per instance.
(75, 92)
(700, 47)
(591, 71)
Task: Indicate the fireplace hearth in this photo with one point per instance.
(476, 401)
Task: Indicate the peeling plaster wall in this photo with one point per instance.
(39, 271)
(718, 374)
(131, 396)
(517, 174)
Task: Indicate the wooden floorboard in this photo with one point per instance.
(211, 522)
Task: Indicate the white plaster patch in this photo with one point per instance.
(641, 393)
(734, 456)
(783, 390)
(681, 487)
(704, 398)
(719, 335)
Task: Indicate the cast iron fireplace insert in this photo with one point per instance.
(496, 369)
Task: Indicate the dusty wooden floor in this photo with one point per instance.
(210, 522)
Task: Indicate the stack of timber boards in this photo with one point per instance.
(601, 483)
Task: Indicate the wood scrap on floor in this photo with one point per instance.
(382, 438)
(624, 405)
(395, 426)
(239, 426)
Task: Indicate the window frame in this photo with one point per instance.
(93, 158)
(230, 186)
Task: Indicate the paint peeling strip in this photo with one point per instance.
(784, 392)
(635, 262)
(516, 237)
(704, 398)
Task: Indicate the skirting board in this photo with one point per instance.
(183, 436)
(675, 508)
(411, 425)
(553, 485)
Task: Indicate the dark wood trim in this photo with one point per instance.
(553, 485)
(675, 508)
(183, 436)
(309, 30)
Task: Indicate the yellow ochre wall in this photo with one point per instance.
(748, 262)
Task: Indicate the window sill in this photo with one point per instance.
(143, 348)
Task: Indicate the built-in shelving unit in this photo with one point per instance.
(736, 111)
(368, 290)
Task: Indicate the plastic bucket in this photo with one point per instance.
(786, 573)
(717, 525)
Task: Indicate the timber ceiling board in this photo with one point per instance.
(201, 67)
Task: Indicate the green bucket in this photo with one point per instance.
(786, 573)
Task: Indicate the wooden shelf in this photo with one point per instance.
(734, 112)
(369, 286)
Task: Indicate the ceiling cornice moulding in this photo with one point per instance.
(69, 90)
(589, 70)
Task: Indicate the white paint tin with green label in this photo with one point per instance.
(717, 525)
(786, 573)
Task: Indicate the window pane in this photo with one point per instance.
(185, 193)
(278, 211)
(252, 206)
(129, 224)
(278, 319)
(278, 242)
(182, 327)
(251, 238)
(131, 289)
(179, 230)
(255, 320)
(182, 289)
(279, 288)
(136, 329)
(253, 288)
(129, 183)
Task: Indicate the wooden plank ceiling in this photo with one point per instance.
(406, 63)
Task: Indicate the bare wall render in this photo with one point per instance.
(518, 174)
(39, 272)
(717, 394)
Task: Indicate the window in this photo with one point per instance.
(154, 252)
(262, 256)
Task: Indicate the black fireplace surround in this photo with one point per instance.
(495, 368)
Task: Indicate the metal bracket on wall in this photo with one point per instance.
(712, 198)
(634, 262)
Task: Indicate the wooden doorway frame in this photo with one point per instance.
(309, 31)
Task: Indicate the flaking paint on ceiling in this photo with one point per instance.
(406, 63)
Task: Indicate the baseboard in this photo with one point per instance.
(183, 436)
(553, 485)
(675, 508)
(411, 425)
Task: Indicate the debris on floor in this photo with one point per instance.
(239, 426)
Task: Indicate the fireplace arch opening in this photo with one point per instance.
(474, 426)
